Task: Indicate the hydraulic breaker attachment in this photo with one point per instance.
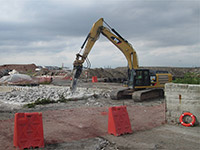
(75, 75)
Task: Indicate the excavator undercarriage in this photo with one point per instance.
(137, 95)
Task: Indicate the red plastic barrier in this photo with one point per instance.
(94, 79)
(28, 130)
(118, 121)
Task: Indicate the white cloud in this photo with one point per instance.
(181, 56)
(51, 32)
(105, 54)
(12, 11)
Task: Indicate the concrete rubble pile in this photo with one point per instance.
(23, 95)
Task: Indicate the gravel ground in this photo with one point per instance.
(82, 122)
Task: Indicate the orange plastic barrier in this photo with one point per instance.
(28, 130)
(118, 121)
(94, 79)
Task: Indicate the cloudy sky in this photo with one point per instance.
(51, 32)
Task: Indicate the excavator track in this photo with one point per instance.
(137, 96)
(148, 94)
(122, 93)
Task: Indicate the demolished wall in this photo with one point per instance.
(182, 98)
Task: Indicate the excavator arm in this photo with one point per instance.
(123, 45)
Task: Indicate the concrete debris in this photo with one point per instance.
(97, 143)
(13, 72)
(24, 95)
(102, 144)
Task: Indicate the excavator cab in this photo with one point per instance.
(145, 78)
(142, 77)
(138, 77)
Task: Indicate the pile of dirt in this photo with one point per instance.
(22, 68)
(121, 72)
(4, 72)
(177, 71)
(108, 73)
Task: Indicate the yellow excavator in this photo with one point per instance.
(142, 84)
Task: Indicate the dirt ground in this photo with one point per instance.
(82, 124)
